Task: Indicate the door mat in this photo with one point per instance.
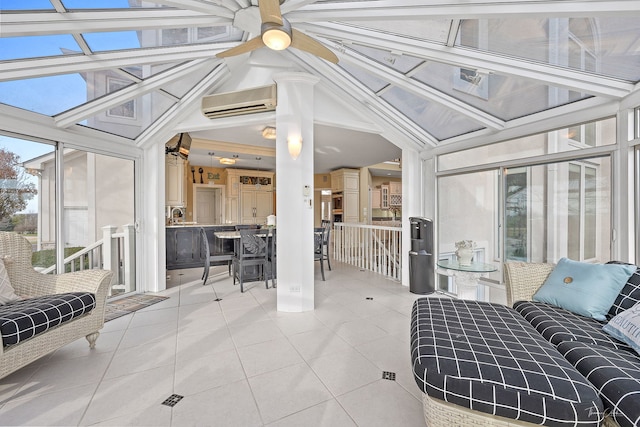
(128, 305)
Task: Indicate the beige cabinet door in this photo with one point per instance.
(247, 206)
(264, 206)
(375, 198)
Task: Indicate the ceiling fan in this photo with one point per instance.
(277, 34)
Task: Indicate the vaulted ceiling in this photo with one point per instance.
(426, 75)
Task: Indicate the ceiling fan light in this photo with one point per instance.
(276, 37)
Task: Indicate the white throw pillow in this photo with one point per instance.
(7, 293)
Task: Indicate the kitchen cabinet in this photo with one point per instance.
(185, 249)
(175, 181)
(249, 196)
(384, 196)
(345, 193)
(375, 198)
(256, 205)
(395, 193)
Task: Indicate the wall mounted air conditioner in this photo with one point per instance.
(247, 101)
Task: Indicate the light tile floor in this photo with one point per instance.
(237, 361)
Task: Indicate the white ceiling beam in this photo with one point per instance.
(38, 24)
(128, 93)
(22, 122)
(163, 126)
(200, 6)
(454, 29)
(68, 64)
(339, 79)
(420, 89)
(292, 5)
(560, 117)
(474, 59)
(438, 9)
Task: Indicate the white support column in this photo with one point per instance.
(412, 203)
(109, 251)
(151, 249)
(294, 192)
(129, 262)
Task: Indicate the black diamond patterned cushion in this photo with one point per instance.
(488, 358)
(616, 375)
(558, 325)
(628, 296)
(24, 319)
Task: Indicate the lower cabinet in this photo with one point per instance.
(185, 249)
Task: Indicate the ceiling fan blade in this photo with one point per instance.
(270, 11)
(248, 46)
(309, 44)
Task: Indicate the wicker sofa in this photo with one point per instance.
(88, 288)
(479, 363)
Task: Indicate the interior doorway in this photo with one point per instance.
(209, 203)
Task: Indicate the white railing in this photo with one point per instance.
(115, 252)
(370, 247)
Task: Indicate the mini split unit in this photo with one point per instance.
(253, 100)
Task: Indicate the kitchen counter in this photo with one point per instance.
(185, 248)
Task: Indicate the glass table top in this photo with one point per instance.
(474, 267)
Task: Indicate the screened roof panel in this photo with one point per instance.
(45, 95)
(36, 46)
(430, 116)
(100, 4)
(401, 63)
(435, 30)
(506, 63)
(131, 118)
(607, 46)
(107, 41)
(372, 82)
(496, 94)
(26, 5)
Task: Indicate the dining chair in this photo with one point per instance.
(272, 255)
(209, 254)
(326, 242)
(318, 247)
(252, 251)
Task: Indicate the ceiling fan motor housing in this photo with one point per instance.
(276, 36)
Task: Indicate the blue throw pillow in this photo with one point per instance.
(582, 288)
(625, 327)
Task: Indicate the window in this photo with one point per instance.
(126, 110)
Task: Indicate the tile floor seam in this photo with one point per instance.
(175, 363)
(244, 370)
(104, 373)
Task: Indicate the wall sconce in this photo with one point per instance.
(294, 143)
(269, 132)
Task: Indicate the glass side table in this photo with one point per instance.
(467, 276)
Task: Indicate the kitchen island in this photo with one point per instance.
(185, 248)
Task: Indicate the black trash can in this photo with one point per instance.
(421, 262)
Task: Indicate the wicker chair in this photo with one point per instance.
(29, 283)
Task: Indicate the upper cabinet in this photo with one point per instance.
(395, 193)
(175, 182)
(249, 196)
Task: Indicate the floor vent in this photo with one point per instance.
(369, 298)
(386, 375)
(218, 299)
(172, 400)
